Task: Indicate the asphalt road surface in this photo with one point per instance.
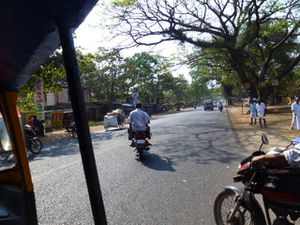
(194, 155)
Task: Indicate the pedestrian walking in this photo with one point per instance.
(261, 113)
(295, 108)
(253, 113)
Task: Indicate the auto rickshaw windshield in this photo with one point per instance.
(4, 137)
(7, 159)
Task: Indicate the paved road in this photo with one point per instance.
(194, 154)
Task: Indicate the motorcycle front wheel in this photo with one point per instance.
(223, 206)
(36, 146)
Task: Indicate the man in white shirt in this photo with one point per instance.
(260, 108)
(295, 108)
(138, 121)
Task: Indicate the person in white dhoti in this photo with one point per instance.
(295, 107)
(253, 113)
(260, 108)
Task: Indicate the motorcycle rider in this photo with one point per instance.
(281, 159)
(290, 157)
(37, 126)
(138, 121)
(220, 106)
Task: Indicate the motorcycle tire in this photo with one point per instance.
(140, 154)
(244, 215)
(35, 146)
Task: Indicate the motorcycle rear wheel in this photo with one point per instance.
(223, 206)
(36, 146)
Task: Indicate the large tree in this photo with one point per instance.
(252, 35)
(150, 75)
(53, 75)
(209, 66)
(108, 80)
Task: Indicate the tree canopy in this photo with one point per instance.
(112, 78)
(257, 39)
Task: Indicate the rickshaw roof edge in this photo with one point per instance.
(31, 34)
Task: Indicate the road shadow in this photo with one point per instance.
(57, 148)
(108, 135)
(212, 140)
(155, 162)
(69, 145)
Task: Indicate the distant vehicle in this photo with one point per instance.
(208, 105)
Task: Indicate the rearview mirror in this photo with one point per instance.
(264, 139)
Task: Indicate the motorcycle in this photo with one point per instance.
(278, 187)
(32, 142)
(140, 143)
(220, 108)
(71, 129)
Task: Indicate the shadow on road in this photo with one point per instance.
(69, 145)
(155, 162)
(203, 144)
(64, 146)
(108, 135)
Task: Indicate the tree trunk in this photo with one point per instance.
(237, 62)
(264, 93)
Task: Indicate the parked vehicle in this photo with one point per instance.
(220, 108)
(208, 105)
(71, 128)
(141, 144)
(279, 189)
(32, 141)
(116, 118)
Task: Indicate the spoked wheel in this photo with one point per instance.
(36, 146)
(223, 206)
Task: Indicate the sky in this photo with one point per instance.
(91, 35)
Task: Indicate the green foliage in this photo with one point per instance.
(150, 75)
(53, 76)
(112, 78)
(123, 2)
(106, 78)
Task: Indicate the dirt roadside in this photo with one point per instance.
(59, 134)
(278, 127)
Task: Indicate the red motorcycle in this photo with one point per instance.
(279, 188)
